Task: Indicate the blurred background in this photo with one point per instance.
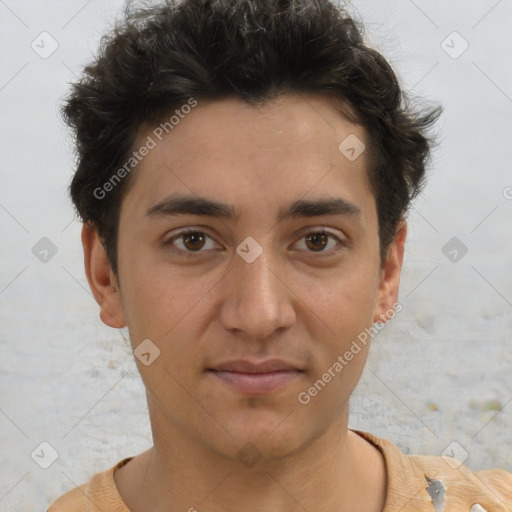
(438, 380)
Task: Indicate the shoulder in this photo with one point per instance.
(93, 496)
(460, 488)
(72, 501)
(421, 482)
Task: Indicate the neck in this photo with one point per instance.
(337, 471)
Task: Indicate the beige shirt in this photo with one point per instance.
(415, 484)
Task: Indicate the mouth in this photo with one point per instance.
(253, 378)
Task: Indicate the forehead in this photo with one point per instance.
(293, 146)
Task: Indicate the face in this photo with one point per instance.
(249, 257)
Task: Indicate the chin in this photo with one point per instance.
(268, 436)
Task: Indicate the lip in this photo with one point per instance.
(247, 366)
(256, 378)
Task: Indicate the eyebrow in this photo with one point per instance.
(192, 205)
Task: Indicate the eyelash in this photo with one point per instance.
(193, 254)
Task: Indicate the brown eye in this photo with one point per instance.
(321, 242)
(317, 241)
(192, 241)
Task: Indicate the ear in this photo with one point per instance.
(387, 294)
(101, 279)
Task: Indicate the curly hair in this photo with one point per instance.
(156, 58)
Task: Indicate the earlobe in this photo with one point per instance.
(102, 281)
(391, 269)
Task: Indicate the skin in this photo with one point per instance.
(300, 301)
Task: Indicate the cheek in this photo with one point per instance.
(165, 310)
(345, 300)
(157, 306)
(342, 355)
(347, 312)
(167, 306)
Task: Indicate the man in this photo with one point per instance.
(244, 169)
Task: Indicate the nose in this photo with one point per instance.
(258, 300)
